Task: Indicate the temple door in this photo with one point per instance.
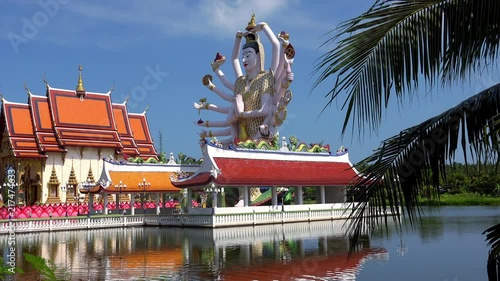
(32, 194)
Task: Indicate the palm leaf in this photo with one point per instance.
(493, 238)
(397, 169)
(388, 49)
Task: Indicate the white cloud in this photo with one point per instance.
(219, 19)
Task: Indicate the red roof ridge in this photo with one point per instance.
(73, 91)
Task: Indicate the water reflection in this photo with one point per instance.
(306, 251)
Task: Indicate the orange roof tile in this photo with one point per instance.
(20, 130)
(88, 121)
(142, 135)
(157, 177)
(48, 124)
(42, 124)
(158, 181)
(124, 130)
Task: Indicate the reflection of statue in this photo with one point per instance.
(256, 94)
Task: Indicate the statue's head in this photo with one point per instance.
(253, 46)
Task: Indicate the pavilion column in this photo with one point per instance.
(298, 195)
(105, 204)
(189, 200)
(157, 203)
(214, 198)
(117, 206)
(132, 199)
(245, 196)
(322, 194)
(91, 204)
(274, 200)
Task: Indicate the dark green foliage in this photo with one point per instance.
(309, 193)
(387, 51)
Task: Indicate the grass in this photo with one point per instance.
(463, 199)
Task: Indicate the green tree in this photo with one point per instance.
(387, 51)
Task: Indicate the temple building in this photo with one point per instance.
(54, 144)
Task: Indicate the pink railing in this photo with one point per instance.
(71, 209)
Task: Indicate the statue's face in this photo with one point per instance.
(249, 59)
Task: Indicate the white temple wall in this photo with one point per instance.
(80, 160)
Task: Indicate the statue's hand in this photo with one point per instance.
(210, 85)
(218, 61)
(259, 27)
(283, 42)
(207, 82)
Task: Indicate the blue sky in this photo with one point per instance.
(122, 43)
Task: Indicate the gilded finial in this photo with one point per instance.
(112, 88)
(146, 109)
(251, 24)
(126, 99)
(45, 81)
(26, 88)
(80, 90)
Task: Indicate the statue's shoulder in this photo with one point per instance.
(269, 75)
(240, 79)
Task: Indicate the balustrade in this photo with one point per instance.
(222, 218)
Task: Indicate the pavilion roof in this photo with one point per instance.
(126, 177)
(227, 167)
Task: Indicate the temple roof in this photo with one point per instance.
(246, 167)
(85, 121)
(125, 130)
(142, 135)
(19, 130)
(69, 118)
(42, 124)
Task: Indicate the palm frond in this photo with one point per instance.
(493, 238)
(398, 168)
(388, 49)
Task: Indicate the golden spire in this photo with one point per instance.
(90, 176)
(72, 177)
(80, 90)
(53, 177)
(251, 24)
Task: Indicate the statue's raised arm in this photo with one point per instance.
(235, 57)
(275, 47)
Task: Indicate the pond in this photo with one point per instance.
(448, 245)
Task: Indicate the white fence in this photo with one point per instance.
(198, 217)
(68, 223)
(241, 216)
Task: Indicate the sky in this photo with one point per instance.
(156, 53)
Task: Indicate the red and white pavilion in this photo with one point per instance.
(246, 169)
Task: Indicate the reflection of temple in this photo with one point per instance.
(275, 252)
(283, 252)
(56, 142)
